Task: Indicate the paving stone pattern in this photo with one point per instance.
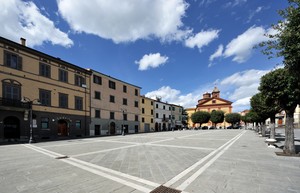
(206, 161)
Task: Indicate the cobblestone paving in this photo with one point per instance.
(189, 161)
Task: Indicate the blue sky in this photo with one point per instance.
(174, 49)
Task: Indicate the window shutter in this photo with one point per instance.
(19, 67)
(5, 58)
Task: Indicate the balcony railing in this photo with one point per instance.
(13, 103)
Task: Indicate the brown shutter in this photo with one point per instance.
(19, 65)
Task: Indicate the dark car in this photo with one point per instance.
(204, 127)
(229, 127)
(212, 127)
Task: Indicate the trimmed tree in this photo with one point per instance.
(285, 43)
(200, 117)
(281, 89)
(217, 117)
(233, 118)
(253, 118)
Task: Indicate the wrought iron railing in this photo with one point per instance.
(13, 103)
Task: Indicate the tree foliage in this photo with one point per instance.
(285, 42)
(200, 117)
(233, 118)
(217, 117)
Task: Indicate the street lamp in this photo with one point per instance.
(123, 126)
(30, 103)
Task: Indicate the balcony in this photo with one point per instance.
(5, 102)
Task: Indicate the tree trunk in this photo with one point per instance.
(272, 127)
(263, 129)
(289, 144)
(245, 125)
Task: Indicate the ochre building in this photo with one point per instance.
(211, 102)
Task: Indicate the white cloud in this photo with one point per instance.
(241, 47)
(126, 20)
(218, 53)
(201, 39)
(151, 61)
(253, 13)
(235, 3)
(245, 85)
(24, 19)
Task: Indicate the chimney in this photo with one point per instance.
(23, 41)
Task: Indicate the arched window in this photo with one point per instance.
(11, 89)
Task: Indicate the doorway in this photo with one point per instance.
(11, 127)
(62, 128)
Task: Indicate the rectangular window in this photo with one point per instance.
(136, 118)
(151, 120)
(45, 123)
(136, 103)
(136, 92)
(173, 117)
(97, 79)
(124, 88)
(11, 91)
(143, 119)
(78, 103)
(112, 115)
(157, 106)
(79, 80)
(63, 75)
(45, 97)
(164, 107)
(151, 102)
(63, 100)
(124, 101)
(143, 110)
(97, 113)
(125, 117)
(97, 95)
(151, 111)
(111, 84)
(45, 70)
(173, 108)
(143, 101)
(111, 98)
(78, 124)
(12, 60)
(156, 115)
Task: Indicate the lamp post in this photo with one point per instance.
(123, 126)
(30, 103)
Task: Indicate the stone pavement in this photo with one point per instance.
(205, 161)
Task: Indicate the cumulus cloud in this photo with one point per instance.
(218, 53)
(201, 39)
(241, 47)
(245, 85)
(126, 20)
(24, 19)
(151, 61)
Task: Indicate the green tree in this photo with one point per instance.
(282, 90)
(253, 117)
(246, 119)
(233, 118)
(200, 117)
(217, 117)
(286, 42)
(264, 110)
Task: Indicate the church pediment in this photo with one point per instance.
(214, 101)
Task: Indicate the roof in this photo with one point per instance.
(43, 55)
(216, 90)
(203, 101)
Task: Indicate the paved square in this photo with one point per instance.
(190, 161)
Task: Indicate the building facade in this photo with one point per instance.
(189, 112)
(162, 113)
(176, 116)
(55, 91)
(211, 102)
(114, 106)
(147, 114)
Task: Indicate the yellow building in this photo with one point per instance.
(147, 114)
(211, 102)
(189, 112)
(62, 89)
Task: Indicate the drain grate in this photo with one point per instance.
(62, 157)
(163, 189)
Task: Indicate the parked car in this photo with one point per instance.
(229, 127)
(212, 127)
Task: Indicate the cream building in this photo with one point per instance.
(114, 105)
(147, 114)
(189, 112)
(63, 90)
(162, 116)
(176, 116)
